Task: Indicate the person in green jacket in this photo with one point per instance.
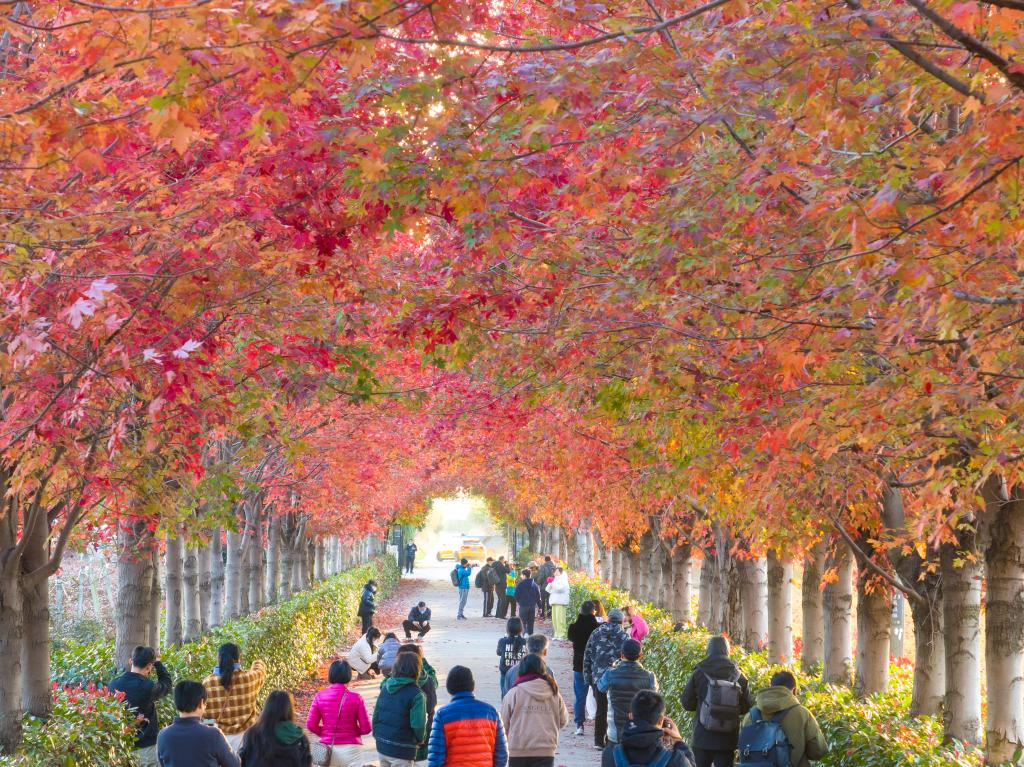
(400, 716)
(806, 740)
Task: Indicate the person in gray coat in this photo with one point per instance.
(620, 683)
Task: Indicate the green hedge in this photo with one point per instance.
(876, 732)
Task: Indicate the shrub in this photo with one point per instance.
(876, 732)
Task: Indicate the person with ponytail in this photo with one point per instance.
(232, 692)
(534, 714)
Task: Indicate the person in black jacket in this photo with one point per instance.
(368, 604)
(141, 694)
(498, 572)
(579, 632)
(528, 598)
(486, 585)
(714, 749)
(188, 741)
(644, 739)
(621, 683)
(275, 740)
(418, 620)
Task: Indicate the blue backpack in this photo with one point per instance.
(763, 742)
(619, 753)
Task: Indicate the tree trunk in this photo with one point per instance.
(174, 631)
(929, 658)
(874, 623)
(233, 576)
(706, 603)
(288, 568)
(731, 620)
(1002, 527)
(205, 578)
(254, 565)
(780, 610)
(961, 612)
(155, 602)
(216, 578)
(35, 647)
(813, 652)
(134, 590)
(651, 546)
(754, 585)
(681, 563)
(837, 601)
(637, 587)
(533, 531)
(190, 603)
(12, 627)
(319, 566)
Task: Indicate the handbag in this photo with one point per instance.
(591, 703)
(323, 752)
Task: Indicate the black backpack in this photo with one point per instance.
(455, 576)
(763, 742)
(621, 760)
(720, 709)
(479, 580)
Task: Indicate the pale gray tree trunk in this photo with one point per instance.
(288, 569)
(780, 610)
(732, 621)
(681, 565)
(174, 630)
(636, 575)
(319, 566)
(254, 560)
(155, 602)
(813, 652)
(754, 588)
(961, 608)
(709, 589)
(233, 576)
(838, 605)
(190, 603)
(205, 578)
(874, 624)
(273, 559)
(134, 590)
(216, 578)
(12, 636)
(35, 648)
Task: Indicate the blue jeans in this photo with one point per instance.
(580, 687)
(463, 597)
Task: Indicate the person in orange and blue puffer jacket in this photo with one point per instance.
(467, 732)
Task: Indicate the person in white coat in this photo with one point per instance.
(558, 597)
(363, 655)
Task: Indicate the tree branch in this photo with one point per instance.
(897, 582)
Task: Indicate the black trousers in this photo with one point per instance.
(410, 627)
(545, 605)
(531, 761)
(488, 602)
(707, 758)
(528, 614)
(367, 622)
(409, 562)
(502, 609)
(601, 719)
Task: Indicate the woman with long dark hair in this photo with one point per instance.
(275, 740)
(533, 714)
(231, 693)
(363, 655)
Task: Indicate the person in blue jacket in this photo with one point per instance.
(467, 732)
(464, 571)
(527, 597)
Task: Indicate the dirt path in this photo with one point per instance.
(469, 643)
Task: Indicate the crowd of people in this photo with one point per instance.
(220, 723)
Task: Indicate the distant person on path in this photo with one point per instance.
(634, 624)
(558, 596)
(187, 741)
(716, 680)
(363, 655)
(463, 571)
(275, 739)
(511, 579)
(387, 653)
(534, 714)
(579, 632)
(140, 695)
(467, 732)
(410, 555)
(603, 651)
(499, 570)
(778, 703)
(543, 576)
(483, 582)
(418, 620)
(537, 645)
(527, 598)
(338, 717)
(231, 693)
(620, 683)
(643, 737)
(368, 604)
(511, 649)
(428, 686)
(400, 716)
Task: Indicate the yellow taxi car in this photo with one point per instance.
(473, 550)
(443, 554)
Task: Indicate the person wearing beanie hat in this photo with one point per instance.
(604, 648)
(715, 745)
(620, 683)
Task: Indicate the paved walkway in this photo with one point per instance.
(469, 643)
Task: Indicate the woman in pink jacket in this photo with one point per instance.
(338, 716)
(635, 625)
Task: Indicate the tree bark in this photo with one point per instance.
(780, 610)
(637, 587)
(134, 590)
(273, 559)
(813, 651)
(12, 638)
(681, 563)
(216, 578)
(838, 605)
(731, 584)
(754, 586)
(205, 579)
(190, 604)
(233, 576)
(319, 566)
(874, 622)
(706, 604)
(155, 602)
(174, 631)
(961, 612)
(35, 648)
(254, 564)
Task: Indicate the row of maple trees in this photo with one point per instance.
(746, 274)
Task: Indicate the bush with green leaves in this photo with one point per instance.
(873, 732)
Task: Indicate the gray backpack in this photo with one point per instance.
(720, 709)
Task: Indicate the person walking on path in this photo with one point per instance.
(483, 582)
(511, 649)
(642, 739)
(545, 573)
(140, 695)
(467, 732)
(499, 570)
(187, 742)
(527, 598)
(634, 624)
(579, 632)
(463, 571)
(387, 653)
(428, 686)
(418, 620)
(715, 735)
(368, 604)
(410, 555)
(779, 703)
(231, 693)
(400, 716)
(275, 740)
(603, 650)
(620, 683)
(534, 714)
(558, 596)
(536, 644)
(338, 717)
(363, 655)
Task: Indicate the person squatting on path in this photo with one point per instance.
(603, 650)
(511, 649)
(558, 597)
(778, 703)
(275, 739)
(363, 655)
(536, 644)
(410, 555)
(231, 693)
(418, 620)
(533, 714)
(400, 716)
(644, 736)
(140, 695)
(467, 732)
(368, 604)
(716, 679)
(483, 582)
(387, 653)
(187, 741)
(428, 686)
(338, 717)
(579, 632)
(528, 599)
(463, 571)
(621, 683)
